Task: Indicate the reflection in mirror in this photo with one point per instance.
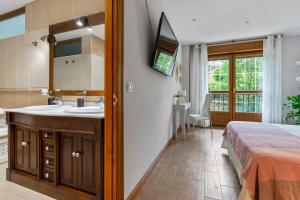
(79, 59)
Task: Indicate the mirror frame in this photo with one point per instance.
(93, 20)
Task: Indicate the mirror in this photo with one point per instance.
(78, 59)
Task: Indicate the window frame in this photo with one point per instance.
(12, 14)
(219, 51)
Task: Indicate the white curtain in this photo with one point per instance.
(272, 105)
(199, 77)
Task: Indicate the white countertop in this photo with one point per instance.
(59, 112)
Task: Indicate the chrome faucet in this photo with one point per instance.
(58, 100)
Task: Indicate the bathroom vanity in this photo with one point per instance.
(56, 153)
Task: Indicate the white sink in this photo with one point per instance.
(46, 107)
(85, 110)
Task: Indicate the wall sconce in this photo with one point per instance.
(82, 21)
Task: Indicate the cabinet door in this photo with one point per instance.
(20, 158)
(86, 164)
(27, 150)
(68, 169)
(32, 148)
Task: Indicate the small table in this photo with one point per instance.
(183, 109)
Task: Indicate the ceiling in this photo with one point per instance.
(10, 5)
(219, 20)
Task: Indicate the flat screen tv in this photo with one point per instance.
(166, 46)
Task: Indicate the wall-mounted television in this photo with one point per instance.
(166, 46)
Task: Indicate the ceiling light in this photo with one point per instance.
(247, 22)
(194, 20)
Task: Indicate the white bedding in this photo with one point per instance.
(293, 129)
(226, 144)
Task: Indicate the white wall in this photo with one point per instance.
(147, 111)
(290, 54)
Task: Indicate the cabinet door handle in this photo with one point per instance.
(77, 155)
(47, 175)
(73, 154)
(45, 135)
(24, 144)
(47, 162)
(47, 148)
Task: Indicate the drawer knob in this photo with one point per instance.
(47, 148)
(45, 135)
(24, 144)
(77, 155)
(73, 154)
(47, 175)
(47, 162)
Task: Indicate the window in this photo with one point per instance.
(218, 80)
(235, 73)
(248, 84)
(12, 24)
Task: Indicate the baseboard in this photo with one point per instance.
(139, 186)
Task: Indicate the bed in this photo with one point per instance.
(266, 158)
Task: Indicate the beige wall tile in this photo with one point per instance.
(23, 65)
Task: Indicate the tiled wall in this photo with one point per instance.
(42, 13)
(23, 65)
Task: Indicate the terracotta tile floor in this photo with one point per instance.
(194, 169)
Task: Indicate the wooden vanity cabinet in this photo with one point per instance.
(61, 157)
(78, 161)
(26, 144)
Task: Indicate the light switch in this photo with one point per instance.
(130, 87)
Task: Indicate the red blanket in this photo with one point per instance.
(271, 160)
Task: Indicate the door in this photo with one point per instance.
(86, 164)
(235, 80)
(20, 157)
(68, 168)
(219, 75)
(27, 150)
(247, 87)
(32, 148)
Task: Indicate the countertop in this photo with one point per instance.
(60, 112)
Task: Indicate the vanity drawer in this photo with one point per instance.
(48, 135)
(48, 148)
(48, 174)
(49, 162)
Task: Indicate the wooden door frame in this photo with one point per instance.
(113, 136)
(232, 77)
(231, 50)
(228, 57)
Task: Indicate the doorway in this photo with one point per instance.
(235, 80)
